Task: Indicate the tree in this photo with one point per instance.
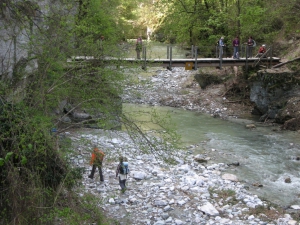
(202, 23)
(44, 90)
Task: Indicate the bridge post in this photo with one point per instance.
(170, 64)
(196, 55)
(271, 57)
(144, 56)
(192, 51)
(246, 59)
(220, 56)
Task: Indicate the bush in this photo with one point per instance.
(31, 167)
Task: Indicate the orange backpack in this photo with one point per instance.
(97, 155)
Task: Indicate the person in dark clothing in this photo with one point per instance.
(96, 161)
(236, 44)
(121, 174)
(250, 46)
(138, 47)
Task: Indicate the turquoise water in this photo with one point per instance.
(266, 156)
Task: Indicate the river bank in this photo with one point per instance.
(192, 191)
(188, 192)
(178, 88)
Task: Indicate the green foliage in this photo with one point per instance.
(76, 210)
(203, 23)
(48, 86)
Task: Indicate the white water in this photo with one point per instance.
(266, 157)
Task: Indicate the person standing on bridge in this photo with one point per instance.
(138, 47)
(250, 45)
(99, 43)
(221, 46)
(236, 44)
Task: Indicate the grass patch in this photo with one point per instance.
(266, 213)
(226, 195)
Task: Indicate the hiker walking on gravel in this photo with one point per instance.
(121, 172)
(96, 161)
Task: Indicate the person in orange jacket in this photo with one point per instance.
(96, 161)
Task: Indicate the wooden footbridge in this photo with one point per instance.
(189, 63)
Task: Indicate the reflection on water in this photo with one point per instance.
(266, 157)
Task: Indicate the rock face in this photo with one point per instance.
(276, 95)
(15, 37)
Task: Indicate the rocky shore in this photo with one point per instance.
(178, 88)
(193, 190)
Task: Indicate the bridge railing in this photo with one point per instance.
(162, 51)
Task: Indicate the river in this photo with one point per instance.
(266, 157)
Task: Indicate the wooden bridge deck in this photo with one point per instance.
(199, 62)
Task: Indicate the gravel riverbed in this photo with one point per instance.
(194, 190)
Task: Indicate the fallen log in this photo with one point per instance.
(281, 64)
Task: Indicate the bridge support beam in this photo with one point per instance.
(144, 56)
(196, 55)
(170, 55)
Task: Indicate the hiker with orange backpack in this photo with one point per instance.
(96, 161)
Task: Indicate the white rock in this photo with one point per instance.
(181, 202)
(292, 222)
(160, 203)
(251, 217)
(172, 201)
(231, 177)
(184, 168)
(138, 175)
(295, 206)
(179, 222)
(111, 201)
(209, 209)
